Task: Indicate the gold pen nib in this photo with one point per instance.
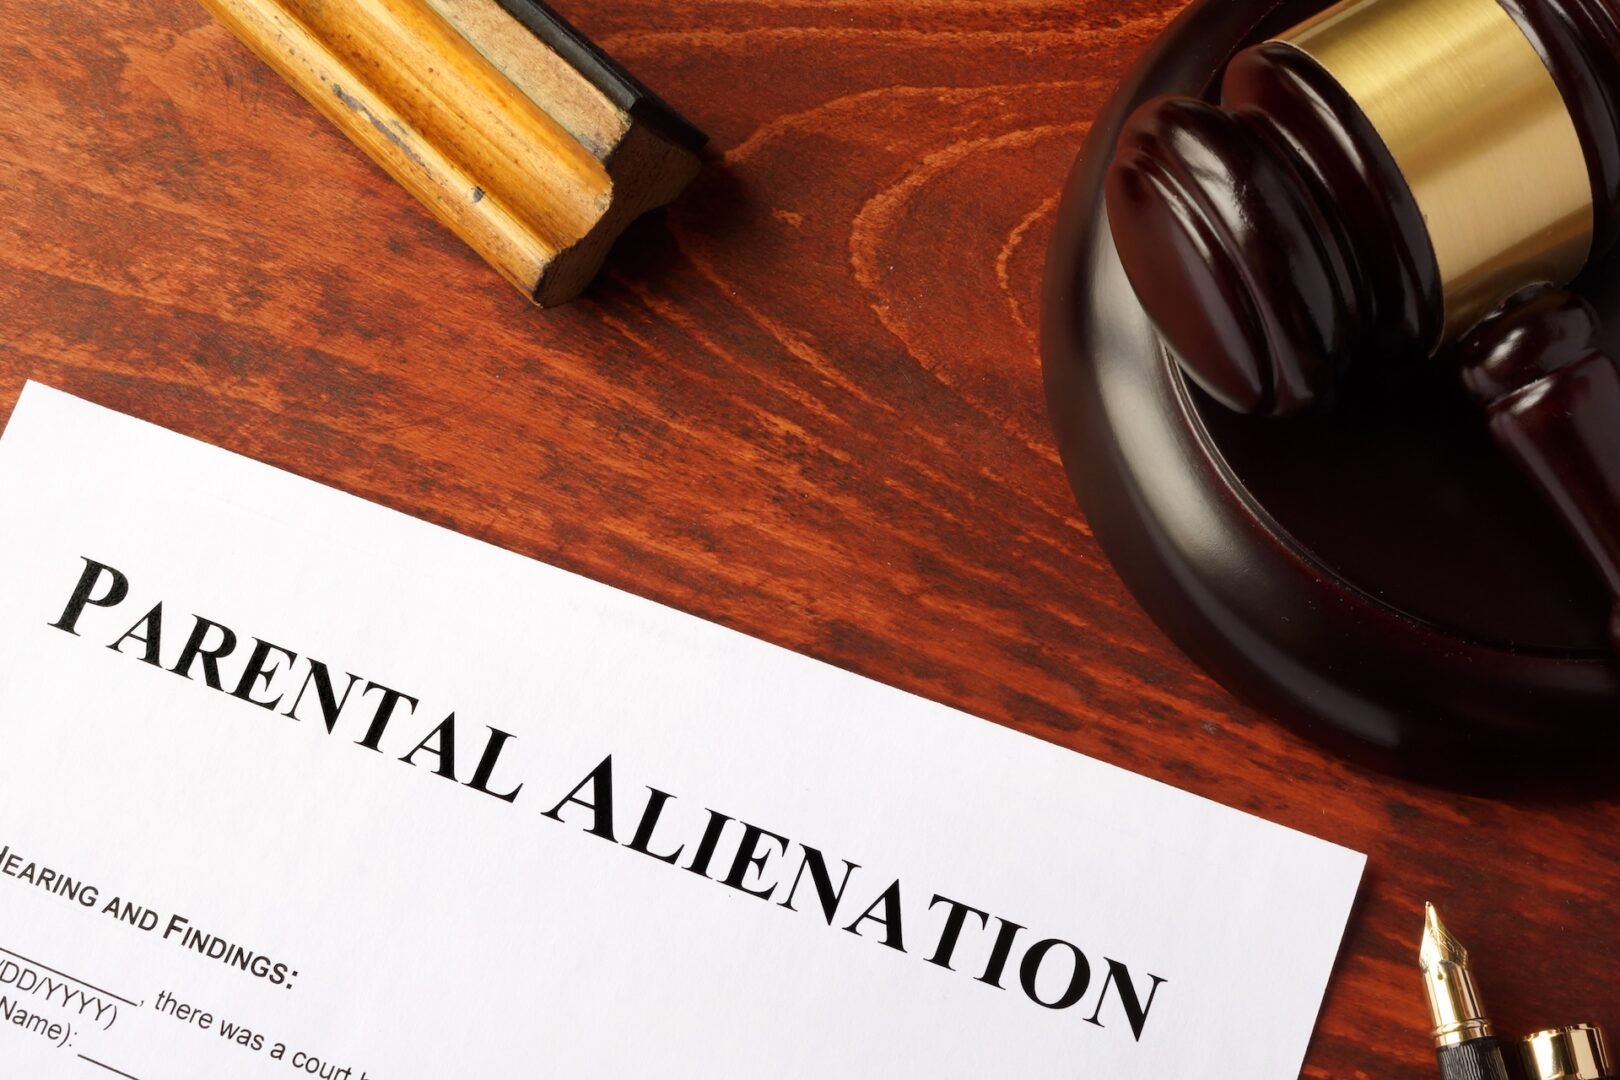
(1438, 944)
(1453, 1001)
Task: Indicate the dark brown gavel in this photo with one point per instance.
(1392, 177)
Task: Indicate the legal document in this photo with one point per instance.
(293, 785)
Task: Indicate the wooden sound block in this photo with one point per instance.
(1373, 571)
(511, 127)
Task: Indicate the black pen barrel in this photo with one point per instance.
(1476, 1059)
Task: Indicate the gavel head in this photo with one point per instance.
(1374, 180)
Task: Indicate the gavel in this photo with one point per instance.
(1399, 179)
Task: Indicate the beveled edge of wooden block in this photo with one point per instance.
(622, 88)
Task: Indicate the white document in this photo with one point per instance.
(292, 785)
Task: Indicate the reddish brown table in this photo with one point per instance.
(805, 403)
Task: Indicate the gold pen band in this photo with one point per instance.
(1454, 1004)
(1480, 132)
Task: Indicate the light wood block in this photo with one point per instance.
(505, 122)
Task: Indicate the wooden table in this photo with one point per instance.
(806, 402)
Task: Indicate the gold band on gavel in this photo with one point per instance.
(1478, 128)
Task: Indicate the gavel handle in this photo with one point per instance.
(1552, 399)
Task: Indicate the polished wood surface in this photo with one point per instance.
(805, 402)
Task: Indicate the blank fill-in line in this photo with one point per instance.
(109, 1068)
(74, 978)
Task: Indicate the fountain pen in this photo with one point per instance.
(1464, 1042)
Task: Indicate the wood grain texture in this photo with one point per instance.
(804, 402)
